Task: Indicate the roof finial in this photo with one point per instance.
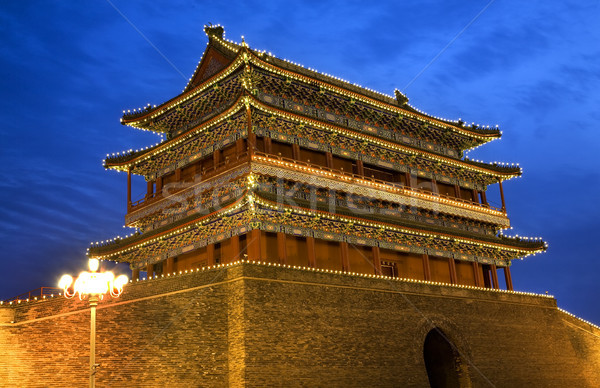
(401, 97)
(216, 31)
(244, 44)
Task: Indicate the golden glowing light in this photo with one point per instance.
(93, 283)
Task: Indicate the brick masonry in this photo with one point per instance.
(256, 325)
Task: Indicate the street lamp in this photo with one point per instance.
(93, 285)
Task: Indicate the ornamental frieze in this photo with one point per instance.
(348, 112)
(196, 109)
(286, 191)
(192, 198)
(208, 232)
(342, 230)
(302, 225)
(356, 188)
(199, 146)
(348, 147)
(291, 221)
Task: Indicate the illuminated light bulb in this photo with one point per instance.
(65, 281)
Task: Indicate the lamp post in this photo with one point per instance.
(93, 285)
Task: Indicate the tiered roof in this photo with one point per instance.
(230, 81)
(253, 206)
(258, 72)
(145, 161)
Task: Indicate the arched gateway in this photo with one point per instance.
(445, 366)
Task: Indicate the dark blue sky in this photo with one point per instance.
(70, 68)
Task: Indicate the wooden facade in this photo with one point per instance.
(267, 161)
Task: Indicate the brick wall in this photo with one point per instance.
(256, 325)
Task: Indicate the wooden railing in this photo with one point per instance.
(244, 157)
(198, 178)
(395, 185)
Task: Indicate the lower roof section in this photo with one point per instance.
(251, 211)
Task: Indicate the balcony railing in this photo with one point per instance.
(346, 176)
(198, 178)
(351, 177)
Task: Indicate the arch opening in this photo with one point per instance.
(445, 367)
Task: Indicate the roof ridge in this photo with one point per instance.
(216, 33)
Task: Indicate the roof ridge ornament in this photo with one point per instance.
(216, 31)
(401, 97)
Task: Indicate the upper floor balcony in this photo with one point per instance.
(173, 190)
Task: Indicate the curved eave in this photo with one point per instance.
(127, 161)
(123, 162)
(379, 100)
(511, 171)
(518, 246)
(272, 63)
(143, 119)
(116, 162)
(108, 251)
(117, 246)
(483, 168)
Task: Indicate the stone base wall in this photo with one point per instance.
(263, 325)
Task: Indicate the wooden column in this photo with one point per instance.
(481, 275)
(169, 265)
(494, 276)
(426, 268)
(502, 195)
(251, 134)
(476, 275)
(149, 189)
(210, 254)
(344, 254)
(177, 174)
(457, 191)
(487, 282)
(360, 167)
(251, 142)
(281, 251)
(268, 145)
(310, 245)
(509, 284)
(483, 197)
(235, 249)
(135, 274)
(159, 186)
(329, 159)
(475, 196)
(253, 242)
(194, 170)
(434, 187)
(149, 271)
(452, 267)
(239, 147)
(407, 177)
(295, 151)
(216, 158)
(377, 260)
(129, 189)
